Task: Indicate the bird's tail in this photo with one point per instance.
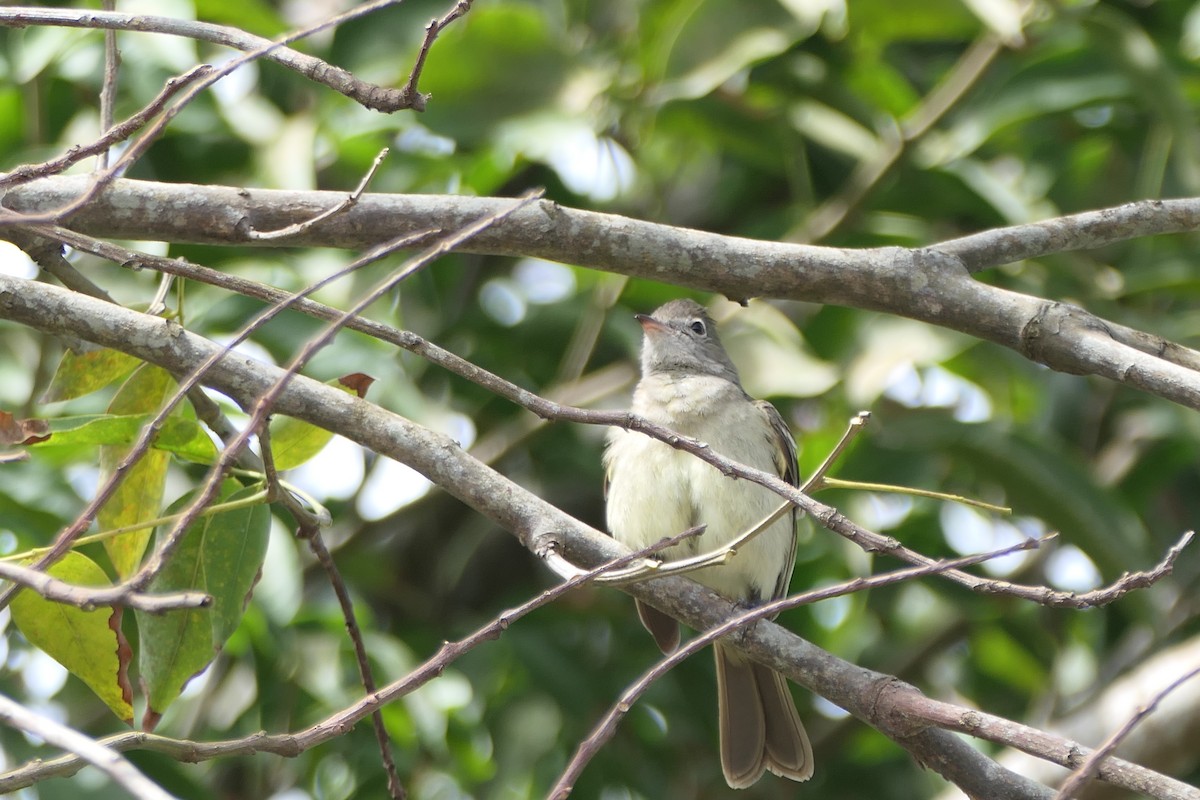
(760, 728)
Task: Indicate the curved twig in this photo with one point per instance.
(378, 98)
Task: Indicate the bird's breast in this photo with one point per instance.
(656, 491)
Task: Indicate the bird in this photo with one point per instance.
(690, 385)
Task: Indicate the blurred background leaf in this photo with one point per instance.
(736, 118)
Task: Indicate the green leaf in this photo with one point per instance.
(293, 441)
(82, 374)
(741, 52)
(178, 435)
(461, 72)
(139, 496)
(1007, 660)
(88, 643)
(1040, 480)
(221, 555)
(253, 16)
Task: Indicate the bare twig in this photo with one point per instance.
(606, 727)
(550, 552)
(378, 98)
(818, 479)
(108, 91)
(892, 488)
(351, 199)
(412, 97)
(720, 555)
(113, 135)
(84, 749)
(589, 390)
(90, 597)
(309, 530)
(1134, 580)
(1091, 765)
(547, 409)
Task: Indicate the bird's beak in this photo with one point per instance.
(649, 324)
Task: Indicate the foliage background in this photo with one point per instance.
(736, 118)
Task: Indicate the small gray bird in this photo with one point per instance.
(654, 491)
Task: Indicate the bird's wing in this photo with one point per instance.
(787, 467)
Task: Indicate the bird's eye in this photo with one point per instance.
(697, 327)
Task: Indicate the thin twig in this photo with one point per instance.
(83, 748)
(108, 90)
(91, 597)
(551, 410)
(606, 727)
(1079, 779)
(309, 530)
(413, 98)
(589, 390)
(715, 557)
(550, 552)
(348, 203)
(817, 480)
(99, 536)
(112, 136)
(891, 488)
(373, 96)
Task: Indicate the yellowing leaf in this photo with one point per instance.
(139, 496)
(88, 643)
(85, 373)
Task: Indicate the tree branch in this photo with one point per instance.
(978, 775)
(292, 744)
(536, 523)
(84, 749)
(90, 597)
(1084, 773)
(379, 98)
(828, 516)
(933, 284)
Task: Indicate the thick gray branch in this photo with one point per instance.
(933, 284)
(1087, 230)
(434, 455)
(533, 520)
